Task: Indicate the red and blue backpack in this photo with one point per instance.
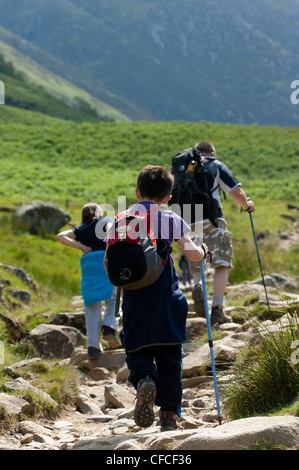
(134, 257)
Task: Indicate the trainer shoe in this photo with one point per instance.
(144, 415)
(218, 315)
(93, 353)
(168, 421)
(198, 298)
(109, 336)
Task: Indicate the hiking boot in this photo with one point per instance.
(218, 315)
(109, 336)
(168, 421)
(93, 353)
(144, 415)
(198, 298)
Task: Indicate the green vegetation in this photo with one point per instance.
(58, 381)
(22, 93)
(266, 375)
(70, 163)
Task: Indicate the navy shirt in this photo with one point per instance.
(221, 178)
(92, 234)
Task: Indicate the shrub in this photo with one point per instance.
(267, 373)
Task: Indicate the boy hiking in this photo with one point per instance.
(95, 285)
(154, 317)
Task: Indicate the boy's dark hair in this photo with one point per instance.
(205, 147)
(90, 211)
(155, 182)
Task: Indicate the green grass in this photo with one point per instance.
(58, 381)
(266, 375)
(69, 163)
(30, 86)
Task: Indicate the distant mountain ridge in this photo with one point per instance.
(226, 61)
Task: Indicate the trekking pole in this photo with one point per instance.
(210, 338)
(259, 258)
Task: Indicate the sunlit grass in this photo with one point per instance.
(267, 374)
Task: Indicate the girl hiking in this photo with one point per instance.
(95, 285)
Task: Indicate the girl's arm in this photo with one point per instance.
(67, 238)
(193, 252)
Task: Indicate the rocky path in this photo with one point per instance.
(102, 417)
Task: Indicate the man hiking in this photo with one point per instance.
(215, 233)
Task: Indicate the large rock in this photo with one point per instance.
(23, 385)
(14, 327)
(85, 404)
(55, 341)
(243, 434)
(11, 405)
(74, 319)
(246, 434)
(21, 274)
(225, 350)
(119, 396)
(108, 359)
(36, 216)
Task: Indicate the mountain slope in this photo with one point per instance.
(229, 61)
(64, 79)
(63, 92)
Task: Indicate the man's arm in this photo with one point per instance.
(240, 197)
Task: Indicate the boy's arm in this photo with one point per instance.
(193, 252)
(67, 238)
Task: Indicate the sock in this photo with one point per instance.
(218, 300)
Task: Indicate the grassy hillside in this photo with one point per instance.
(63, 160)
(70, 164)
(31, 86)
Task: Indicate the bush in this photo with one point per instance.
(267, 374)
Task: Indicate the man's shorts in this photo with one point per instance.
(218, 239)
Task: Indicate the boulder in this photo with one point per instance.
(11, 405)
(86, 405)
(74, 319)
(55, 341)
(225, 350)
(20, 294)
(36, 216)
(245, 434)
(119, 396)
(23, 385)
(108, 359)
(14, 327)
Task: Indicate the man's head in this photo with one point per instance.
(206, 148)
(154, 183)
